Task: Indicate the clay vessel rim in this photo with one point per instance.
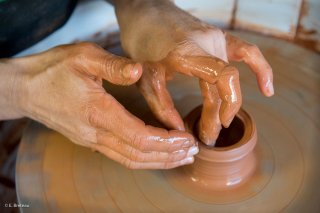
(228, 153)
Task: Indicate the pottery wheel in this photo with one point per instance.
(55, 175)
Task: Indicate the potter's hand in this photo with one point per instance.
(170, 40)
(62, 88)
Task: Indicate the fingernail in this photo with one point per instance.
(270, 89)
(131, 71)
(126, 73)
(186, 144)
(209, 142)
(228, 123)
(181, 128)
(135, 71)
(188, 160)
(181, 151)
(192, 151)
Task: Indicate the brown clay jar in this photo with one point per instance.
(231, 161)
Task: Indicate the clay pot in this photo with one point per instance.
(225, 173)
(231, 161)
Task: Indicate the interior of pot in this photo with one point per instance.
(228, 136)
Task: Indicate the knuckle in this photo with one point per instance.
(82, 51)
(156, 70)
(130, 164)
(91, 115)
(235, 73)
(253, 49)
(143, 147)
(136, 156)
(126, 162)
(231, 71)
(171, 158)
(178, 156)
(168, 165)
(138, 143)
(87, 46)
(239, 102)
(109, 65)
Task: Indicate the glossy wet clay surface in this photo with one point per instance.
(56, 175)
(233, 168)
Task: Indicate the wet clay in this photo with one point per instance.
(224, 167)
(225, 172)
(231, 162)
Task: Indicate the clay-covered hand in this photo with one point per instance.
(167, 40)
(62, 88)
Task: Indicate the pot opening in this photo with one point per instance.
(240, 126)
(231, 135)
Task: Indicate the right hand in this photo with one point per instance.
(62, 88)
(170, 40)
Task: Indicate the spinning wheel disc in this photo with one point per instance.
(56, 175)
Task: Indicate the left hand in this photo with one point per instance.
(168, 40)
(62, 89)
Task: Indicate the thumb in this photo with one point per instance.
(119, 70)
(115, 69)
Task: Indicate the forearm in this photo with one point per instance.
(143, 12)
(130, 3)
(143, 23)
(10, 86)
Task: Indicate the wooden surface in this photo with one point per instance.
(55, 175)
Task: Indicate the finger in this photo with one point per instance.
(108, 114)
(139, 165)
(118, 145)
(152, 85)
(115, 69)
(239, 50)
(207, 68)
(229, 91)
(209, 124)
(214, 70)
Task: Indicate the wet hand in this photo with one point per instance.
(62, 88)
(177, 42)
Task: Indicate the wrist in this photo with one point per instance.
(131, 12)
(11, 87)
